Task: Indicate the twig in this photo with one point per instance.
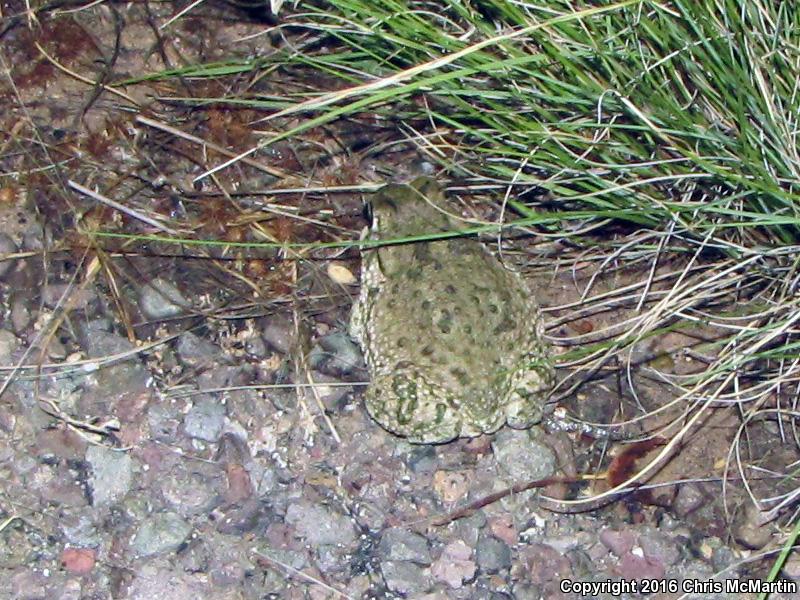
(83, 79)
(120, 207)
(180, 13)
(292, 571)
(518, 488)
(191, 138)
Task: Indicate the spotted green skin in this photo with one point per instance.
(453, 341)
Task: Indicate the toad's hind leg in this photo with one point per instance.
(528, 389)
(405, 405)
(482, 413)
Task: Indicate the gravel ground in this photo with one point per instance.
(227, 484)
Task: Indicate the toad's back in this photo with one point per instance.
(452, 339)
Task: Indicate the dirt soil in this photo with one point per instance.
(185, 421)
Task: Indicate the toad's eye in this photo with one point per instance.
(381, 206)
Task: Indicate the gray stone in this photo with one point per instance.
(239, 519)
(690, 497)
(64, 590)
(522, 456)
(318, 524)
(161, 300)
(158, 582)
(8, 343)
(225, 376)
(56, 350)
(749, 529)
(256, 347)
(492, 555)
(7, 246)
(101, 324)
(334, 397)
(469, 528)
(332, 561)
(197, 352)
(20, 313)
(722, 558)
(103, 343)
(658, 547)
(527, 591)
(125, 378)
(79, 530)
(335, 354)
(206, 419)
(54, 294)
(112, 474)
(28, 584)
(35, 238)
(405, 578)
(164, 420)
(160, 533)
(277, 333)
(422, 459)
(401, 544)
(189, 491)
(293, 558)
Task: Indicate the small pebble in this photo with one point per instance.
(336, 354)
(522, 456)
(401, 544)
(160, 533)
(54, 294)
(318, 524)
(749, 531)
(191, 491)
(198, 352)
(690, 497)
(111, 474)
(492, 555)
(206, 419)
(256, 347)
(8, 343)
(160, 299)
(20, 313)
(79, 529)
(277, 333)
(454, 567)
(239, 519)
(79, 561)
(405, 578)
